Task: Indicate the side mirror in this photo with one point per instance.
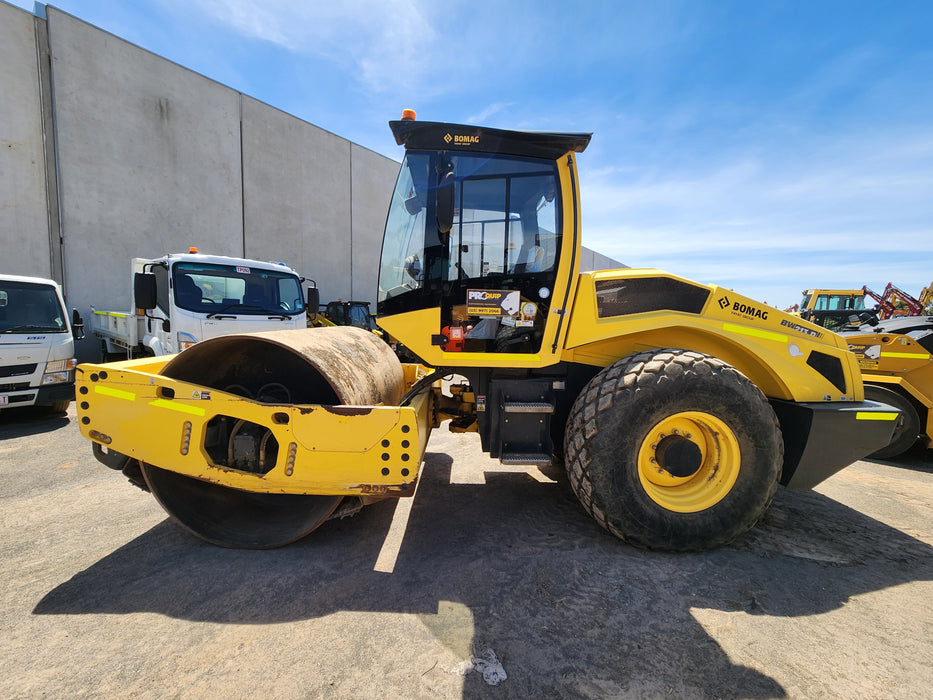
(314, 298)
(415, 203)
(144, 290)
(413, 266)
(77, 325)
(445, 203)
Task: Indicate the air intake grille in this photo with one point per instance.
(21, 386)
(17, 370)
(830, 367)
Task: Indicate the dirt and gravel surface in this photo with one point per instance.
(102, 595)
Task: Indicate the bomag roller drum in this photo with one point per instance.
(325, 366)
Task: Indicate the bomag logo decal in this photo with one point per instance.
(749, 310)
(746, 310)
(461, 140)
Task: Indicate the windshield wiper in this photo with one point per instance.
(23, 328)
(215, 314)
(272, 313)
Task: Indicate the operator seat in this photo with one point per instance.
(187, 292)
(254, 297)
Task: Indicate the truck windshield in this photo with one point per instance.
(212, 288)
(29, 307)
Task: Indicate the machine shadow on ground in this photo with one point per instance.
(566, 607)
(917, 458)
(30, 420)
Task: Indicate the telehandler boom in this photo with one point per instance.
(677, 407)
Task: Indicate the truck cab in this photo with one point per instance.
(37, 356)
(181, 299)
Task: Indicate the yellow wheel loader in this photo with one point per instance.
(677, 407)
(831, 308)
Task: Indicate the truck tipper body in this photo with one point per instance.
(181, 299)
(37, 354)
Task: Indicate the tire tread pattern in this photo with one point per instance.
(613, 388)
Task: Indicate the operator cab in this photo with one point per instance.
(476, 229)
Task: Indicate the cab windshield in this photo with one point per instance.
(839, 302)
(503, 225)
(28, 307)
(211, 288)
(477, 236)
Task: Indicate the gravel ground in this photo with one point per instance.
(102, 595)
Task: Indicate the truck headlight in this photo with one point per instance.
(59, 371)
(61, 365)
(185, 341)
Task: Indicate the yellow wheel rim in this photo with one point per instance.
(689, 461)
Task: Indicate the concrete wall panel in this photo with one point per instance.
(297, 196)
(24, 233)
(591, 261)
(604, 262)
(149, 159)
(373, 181)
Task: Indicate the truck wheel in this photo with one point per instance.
(908, 427)
(106, 357)
(58, 406)
(672, 449)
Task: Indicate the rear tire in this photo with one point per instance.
(908, 427)
(673, 450)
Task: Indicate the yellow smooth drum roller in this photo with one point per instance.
(329, 366)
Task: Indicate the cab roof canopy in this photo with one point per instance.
(440, 136)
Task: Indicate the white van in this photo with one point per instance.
(37, 355)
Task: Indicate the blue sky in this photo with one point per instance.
(764, 146)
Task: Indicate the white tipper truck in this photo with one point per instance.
(37, 353)
(183, 298)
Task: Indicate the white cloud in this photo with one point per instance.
(483, 116)
(381, 42)
(846, 212)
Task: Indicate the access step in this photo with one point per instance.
(528, 458)
(527, 407)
